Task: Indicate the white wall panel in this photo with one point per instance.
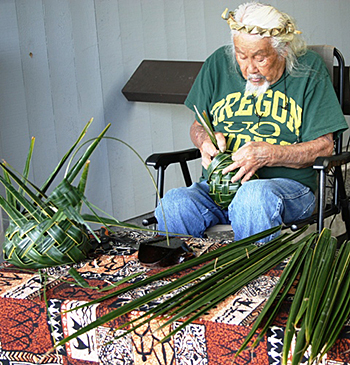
(13, 109)
(175, 42)
(90, 97)
(37, 88)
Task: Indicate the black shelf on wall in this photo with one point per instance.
(170, 81)
(162, 81)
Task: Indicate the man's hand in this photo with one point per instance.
(202, 141)
(209, 151)
(254, 155)
(248, 159)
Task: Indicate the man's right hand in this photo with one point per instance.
(209, 151)
(202, 141)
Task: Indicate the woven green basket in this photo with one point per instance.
(30, 247)
(48, 230)
(50, 236)
(222, 190)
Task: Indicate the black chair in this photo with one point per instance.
(332, 196)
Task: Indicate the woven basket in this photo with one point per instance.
(222, 190)
(49, 230)
(52, 237)
(29, 246)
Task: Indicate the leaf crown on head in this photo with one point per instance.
(287, 29)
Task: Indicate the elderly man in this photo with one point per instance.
(271, 102)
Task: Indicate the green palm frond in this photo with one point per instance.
(319, 310)
(205, 122)
(64, 159)
(321, 304)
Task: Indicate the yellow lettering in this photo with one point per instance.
(265, 112)
(284, 143)
(271, 128)
(245, 106)
(294, 121)
(217, 113)
(275, 107)
(271, 140)
(231, 100)
(228, 127)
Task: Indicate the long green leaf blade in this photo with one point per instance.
(49, 180)
(73, 172)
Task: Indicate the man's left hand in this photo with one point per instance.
(248, 159)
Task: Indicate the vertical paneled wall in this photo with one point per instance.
(65, 61)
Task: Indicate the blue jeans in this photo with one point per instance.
(258, 205)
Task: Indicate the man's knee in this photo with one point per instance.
(252, 192)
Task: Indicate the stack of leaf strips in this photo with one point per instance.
(321, 304)
(217, 275)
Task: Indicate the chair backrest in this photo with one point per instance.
(329, 54)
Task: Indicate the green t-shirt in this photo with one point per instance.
(295, 109)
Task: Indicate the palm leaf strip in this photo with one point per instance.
(190, 294)
(316, 276)
(326, 246)
(37, 204)
(61, 163)
(321, 303)
(205, 122)
(218, 253)
(74, 171)
(297, 300)
(28, 160)
(318, 313)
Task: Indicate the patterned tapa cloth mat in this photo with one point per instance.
(28, 329)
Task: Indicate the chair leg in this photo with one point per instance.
(345, 212)
(344, 202)
(321, 200)
(160, 183)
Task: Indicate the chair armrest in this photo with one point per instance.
(326, 163)
(164, 159)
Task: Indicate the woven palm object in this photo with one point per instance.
(221, 189)
(51, 236)
(48, 230)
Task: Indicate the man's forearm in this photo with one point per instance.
(255, 155)
(301, 154)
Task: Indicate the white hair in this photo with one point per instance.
(256, 90)
(289, 45)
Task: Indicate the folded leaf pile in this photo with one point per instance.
(321, 304)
